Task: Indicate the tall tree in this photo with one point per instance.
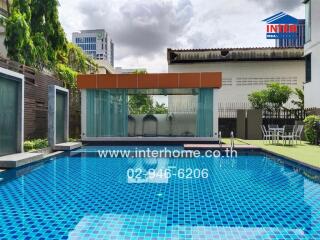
(35, 37)
(45, 22)
(18, 33)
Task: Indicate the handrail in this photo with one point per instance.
(232, 139)
(220, 139)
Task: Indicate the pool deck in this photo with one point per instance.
(217, 146)
(19, 159)
(148, 140)
(68, 146)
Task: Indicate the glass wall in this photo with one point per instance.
(9, 96)
(60, 116)
(308, 21)
(205, 113)
(107, 113)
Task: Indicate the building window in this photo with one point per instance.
(4, 7)
(308, 68)
(308, 20)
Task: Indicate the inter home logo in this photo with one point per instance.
(282, 26)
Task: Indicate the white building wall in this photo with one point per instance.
(312, 89)
(241, 79)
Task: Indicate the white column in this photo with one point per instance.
(215, 113)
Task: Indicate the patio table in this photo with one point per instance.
(276, 133)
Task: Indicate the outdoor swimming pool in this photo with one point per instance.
(82, 196)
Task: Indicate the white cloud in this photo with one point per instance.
(142, 30)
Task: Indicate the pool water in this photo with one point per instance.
(82, 196)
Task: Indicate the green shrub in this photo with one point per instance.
(73, 140)
(28, 146)
(35, 144)
(311, 128)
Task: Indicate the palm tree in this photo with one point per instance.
(300, 102)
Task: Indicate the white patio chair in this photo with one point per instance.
(267, 135)
(286, 135)
(298, 133)
(273, 126)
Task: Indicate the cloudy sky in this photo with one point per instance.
(142, 30)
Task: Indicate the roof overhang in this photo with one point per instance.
(151, 81)
(181, 56)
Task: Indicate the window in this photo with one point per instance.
(4, 8)
(308, 20)
(308, 68)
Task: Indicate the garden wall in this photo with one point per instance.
(36, 98)
(176, 124)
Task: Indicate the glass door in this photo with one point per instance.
(8, 116)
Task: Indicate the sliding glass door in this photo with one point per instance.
(9, 96)
(107, 113)
(205, 113)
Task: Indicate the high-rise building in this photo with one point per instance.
(96, 43)
(296, 42)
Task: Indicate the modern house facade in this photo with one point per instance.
(244, 70)
(312, 54)
(105, 112)
(95, 43)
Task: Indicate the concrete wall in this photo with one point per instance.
(312, 98)
(181, 124)
(242, 78)
(254, 121)
(52, 114)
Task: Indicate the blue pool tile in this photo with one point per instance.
(85, 197)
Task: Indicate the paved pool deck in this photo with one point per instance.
(68, 146)
(217, 146)
(19, 159)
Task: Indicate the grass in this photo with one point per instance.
(304, 153)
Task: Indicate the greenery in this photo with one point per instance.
(311, 128)
(300, 102)
(144, 104)
(35, 144)
(73, 140)
(35, 37)
(271, 98)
